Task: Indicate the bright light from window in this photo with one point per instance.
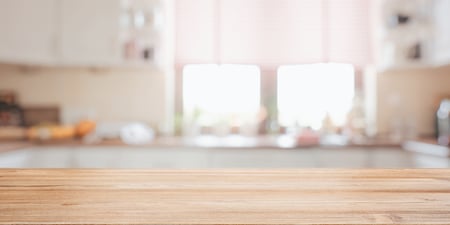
(215, 93)
(306, 93)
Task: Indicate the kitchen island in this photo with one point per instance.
(291, 196)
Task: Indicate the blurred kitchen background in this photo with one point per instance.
(224, 83)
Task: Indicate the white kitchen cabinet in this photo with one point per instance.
(90, 32)
(28, 31)
(93, 33)
(110, 32)
(341, 158)
(441, 36)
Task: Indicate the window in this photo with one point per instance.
(307, 93)
(270, 33)
(221, 94)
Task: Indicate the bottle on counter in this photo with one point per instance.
(443, 122)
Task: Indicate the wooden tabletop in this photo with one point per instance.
(312, 196)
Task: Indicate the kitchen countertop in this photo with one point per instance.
(202, 142)
(310, 196)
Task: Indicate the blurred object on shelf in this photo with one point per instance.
(178, 124)
(286, 141)
(426, 146)
(8, 97)
(11, 114)
(235, 130)
(334, 140)
(436, 105)
(268, 116)
(131, 133)
(443, 122)
(263, 120)
(206, 130)
(308, 137)
(131, 49)
(356, 120)
(137, 134)
(41, 115)
(12, 133)
(148, 53)
(84, 128)
(328, 126)
(50, 132)
(140, 26)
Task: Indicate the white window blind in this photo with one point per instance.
(195, 31)
(347, 32)
(270, 31)
(273, 32)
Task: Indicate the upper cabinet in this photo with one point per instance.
(28, 31)
(82, 32)
(89, 32)
(414, 33)
(442, 31)
(144, 31)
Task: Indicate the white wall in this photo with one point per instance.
(412, 95)
(139, 94)
(109, 94)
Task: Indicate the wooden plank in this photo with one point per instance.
(311, 196)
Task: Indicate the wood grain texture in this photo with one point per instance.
(311, 196)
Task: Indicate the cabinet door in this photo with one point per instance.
(90, 32)
(28, 31)
(442, 32)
